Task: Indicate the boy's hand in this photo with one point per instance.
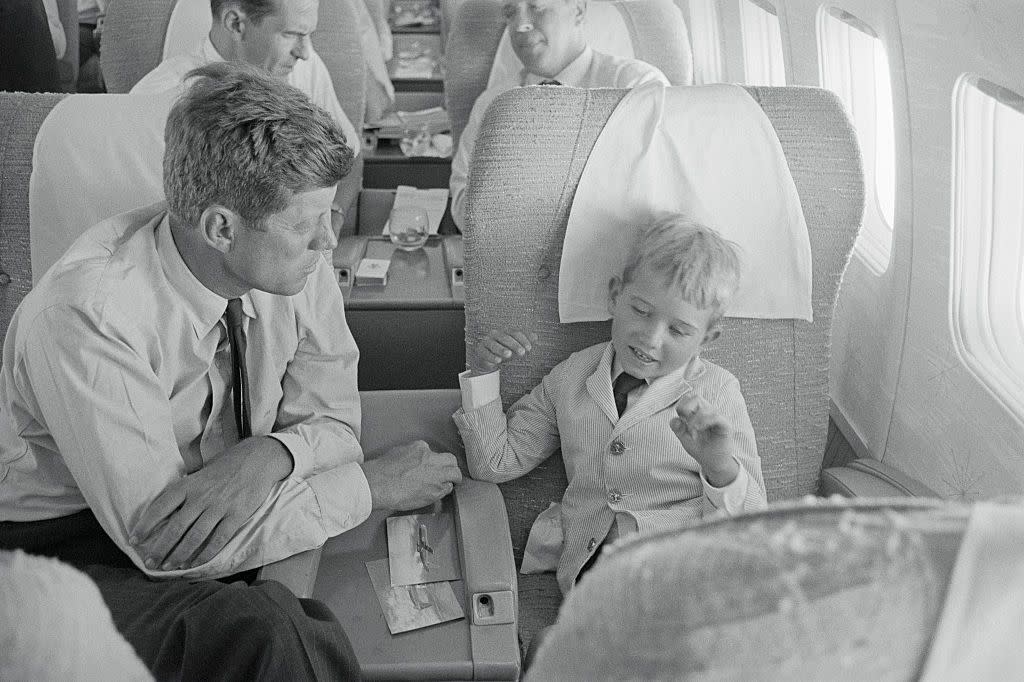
(708, 437)
(497, 347)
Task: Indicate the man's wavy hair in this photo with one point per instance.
(254, 9)
(702, 265)
(243, 139)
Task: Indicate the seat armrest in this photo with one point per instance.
(866, 477)
(297, 572)
(489, 572)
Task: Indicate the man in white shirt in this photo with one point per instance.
(548, 37)
(273, 35)
(178, 395)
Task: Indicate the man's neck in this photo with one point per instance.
(222, 42)
(194, 253)
(571, 56)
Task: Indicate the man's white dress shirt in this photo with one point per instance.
(591, 69)
(115, 383)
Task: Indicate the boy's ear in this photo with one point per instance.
(218, 226)
(713, 332)
(614, 287)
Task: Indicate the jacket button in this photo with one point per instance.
(592, 544)
(617, 447)
(614, 496)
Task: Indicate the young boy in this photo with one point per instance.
(651, 435)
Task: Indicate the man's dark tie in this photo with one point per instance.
(624, 384)
(550, 81)
(239, 377)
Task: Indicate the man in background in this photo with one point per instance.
(273, 35)
(548, 37)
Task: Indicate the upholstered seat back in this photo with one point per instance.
(20, 118)
(530, 153)
(656, 30)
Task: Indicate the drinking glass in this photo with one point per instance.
(409, 227)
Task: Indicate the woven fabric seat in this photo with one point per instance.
(531, 151)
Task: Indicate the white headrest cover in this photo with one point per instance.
(189, 23)
(95, 156)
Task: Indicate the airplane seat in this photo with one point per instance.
(655, 33)
(134, 44)
(21, 114)
(533, 146)
(804, 590)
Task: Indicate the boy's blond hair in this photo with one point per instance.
(691, 256)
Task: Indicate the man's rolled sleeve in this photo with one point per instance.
(344, 497)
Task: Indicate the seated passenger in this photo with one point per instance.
(29, 62)
(651, 435)
(91, 15)
(178, 395)
(548, 37)
(271, 34)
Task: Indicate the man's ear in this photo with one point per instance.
(614, 288)
(219, 226)
(234, 20)
(581, 11)
(713, 332)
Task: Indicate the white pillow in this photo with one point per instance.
(189, 23)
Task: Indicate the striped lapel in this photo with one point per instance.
(599, 385)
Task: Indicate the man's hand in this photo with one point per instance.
(708, 437)
(194, 517)
(497, 347)
(410, 476)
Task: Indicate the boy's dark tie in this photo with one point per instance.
(624, 384)
(239, 378)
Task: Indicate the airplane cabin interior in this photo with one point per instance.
(862, 159)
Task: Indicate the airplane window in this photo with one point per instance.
(705, 41)
(762, 44)
(855, 66)
(988, 239)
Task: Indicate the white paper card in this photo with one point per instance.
(411, 607)
(433, 201)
